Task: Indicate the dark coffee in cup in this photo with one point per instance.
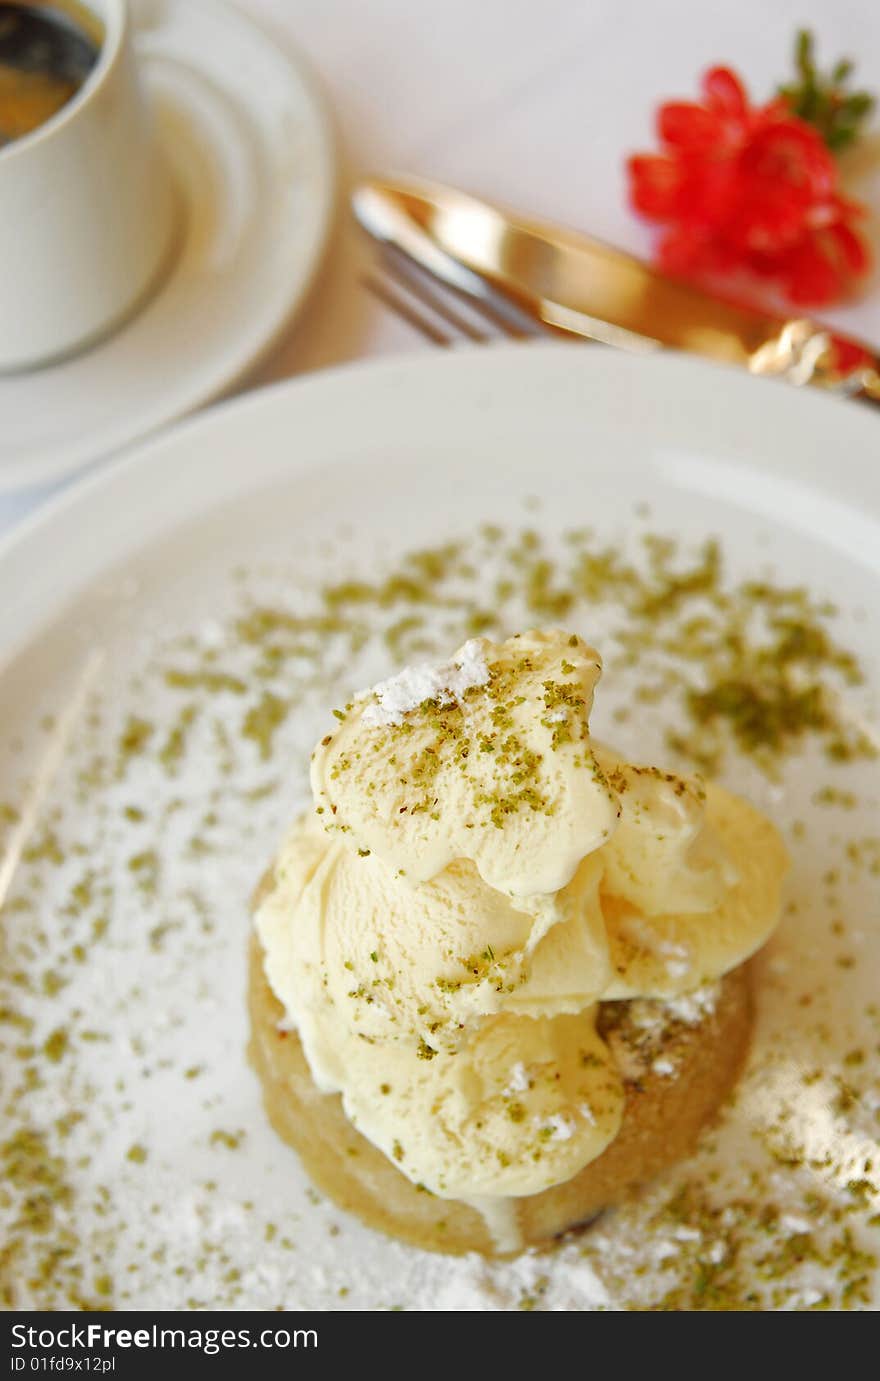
(46, 54)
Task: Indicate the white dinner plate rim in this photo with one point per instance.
(183, 452)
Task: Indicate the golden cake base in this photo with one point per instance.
(662, 1120)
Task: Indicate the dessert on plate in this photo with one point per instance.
(498, 974)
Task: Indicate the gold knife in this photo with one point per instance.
(578, 285)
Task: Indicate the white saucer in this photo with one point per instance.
(251, 147)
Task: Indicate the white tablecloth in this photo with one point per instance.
(532, 102)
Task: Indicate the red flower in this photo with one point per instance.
(754, 188)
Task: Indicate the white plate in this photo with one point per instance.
(250, 145)
(150, 825)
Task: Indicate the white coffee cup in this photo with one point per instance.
(87, 210)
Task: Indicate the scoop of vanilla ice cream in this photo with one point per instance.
(667, 954)
(406, 965)
(498, 770)
(534, 1100)
(467, 1098)
(476, 877)
(661, 857)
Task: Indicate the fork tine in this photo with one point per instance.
(452, 296)
(439, 310)
(390, 296)
(455, 312)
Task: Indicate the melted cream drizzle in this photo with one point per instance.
(501, 1217)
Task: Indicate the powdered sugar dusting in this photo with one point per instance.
(664, 1067)
(689, 1009)
(472, 1285)
(445, 682)
(519, 1079)
(644, 1044)
(692, 1008)
(561, 1128)
(677, 959)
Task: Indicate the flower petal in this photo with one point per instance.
(809, 276)
(685, 251)
(790, 152)
(850, 247)
(847, 355)
(688, 127)
(725, 94)
(655, 185)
